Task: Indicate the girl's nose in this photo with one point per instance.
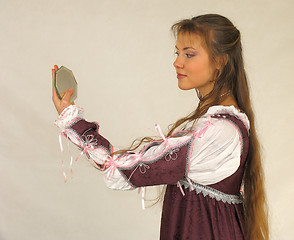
(178, 63)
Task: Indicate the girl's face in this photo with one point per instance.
(193, 65)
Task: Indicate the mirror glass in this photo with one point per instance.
(64, 79)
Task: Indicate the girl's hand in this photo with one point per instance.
(60, 105)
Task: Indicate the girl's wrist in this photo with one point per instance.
(68, 114)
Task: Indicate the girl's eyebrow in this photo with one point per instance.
(185, 48)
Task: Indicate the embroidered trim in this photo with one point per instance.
(69, 113)
(164, 155)
(172, 155)
(213, 193)
(92, 142)
(231, 110)
(226, 116)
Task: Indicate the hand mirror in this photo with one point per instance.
(64, 79)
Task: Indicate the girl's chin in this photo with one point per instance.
(183, 87)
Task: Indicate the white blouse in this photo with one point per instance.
(215, 151)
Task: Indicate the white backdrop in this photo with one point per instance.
(121, 53)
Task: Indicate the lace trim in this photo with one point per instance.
(220, 109)
(68, 114)
(211, 192)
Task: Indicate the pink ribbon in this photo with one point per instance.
(143, 190)
(158, 129)
(190, 184)
(90, 143)
(111, 166)
(85, 150)
(62, 164)
(180, 187)
(201, 132)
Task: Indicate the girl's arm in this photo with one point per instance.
(205, 156)
(161, 162)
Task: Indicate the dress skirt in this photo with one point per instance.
(195, 216)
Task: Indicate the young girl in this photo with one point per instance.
(212, 166)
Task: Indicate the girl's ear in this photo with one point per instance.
(222, 61)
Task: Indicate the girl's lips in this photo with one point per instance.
(180, 76)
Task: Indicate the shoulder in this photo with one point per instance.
(222, 123)
(231, 112)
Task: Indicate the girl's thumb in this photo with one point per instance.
(70, 91)
(68, 94)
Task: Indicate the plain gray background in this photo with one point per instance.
(121, 53)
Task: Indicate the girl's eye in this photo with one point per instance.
(186, 54)
(189, 55)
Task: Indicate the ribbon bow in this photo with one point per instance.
(201, 132)
(111, 166)
(89, 144)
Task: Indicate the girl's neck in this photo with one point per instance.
(226, 98)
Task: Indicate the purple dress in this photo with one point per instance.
(191, 210)
(215, 212)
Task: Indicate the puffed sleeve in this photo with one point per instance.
(161, 162)
(216, 155)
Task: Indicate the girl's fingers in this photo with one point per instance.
(54, 93)
(53, 89)
(53, 81)
(67, 95)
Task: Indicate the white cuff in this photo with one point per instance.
(68, 115)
